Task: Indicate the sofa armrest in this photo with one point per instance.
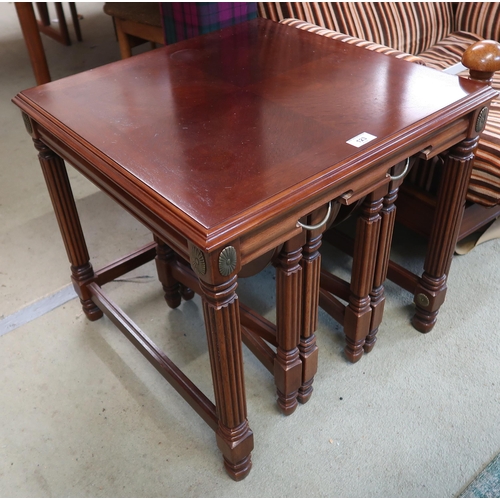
(482, 59)
(359, 42)
(480, 18)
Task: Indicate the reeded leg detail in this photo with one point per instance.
(308, 350)
(287, 364)
(358, 313)
(377, 294)
(222, 322)
(59, 188)
(431, 290)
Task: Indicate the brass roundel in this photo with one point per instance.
(27, 123)
(481, 119)
(227, 261)
(197, 259)
(422, 300)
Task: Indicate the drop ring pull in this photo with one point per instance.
(401, 175)
(317, 226)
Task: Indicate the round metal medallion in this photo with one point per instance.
(198, 260)
(27, 123)
(227, 261)
(423, 300)
(481, 119)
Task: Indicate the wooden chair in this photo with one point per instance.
(61, 34)
(135, 23)
(31, 29)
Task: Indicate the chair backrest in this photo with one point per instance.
(480, 18)
(410, 27)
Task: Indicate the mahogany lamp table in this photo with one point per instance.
(223, 146)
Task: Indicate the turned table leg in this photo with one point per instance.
(56, 178)
(222, 322)
(431, 290)
(308, 350)
(377, 295)
(358, 313)
(174, 290)
(287, 364)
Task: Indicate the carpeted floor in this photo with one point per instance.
(82, 414)
(487, 484)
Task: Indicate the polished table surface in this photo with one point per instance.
(219, 145)
(221, 133)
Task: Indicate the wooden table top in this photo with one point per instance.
(219, 129)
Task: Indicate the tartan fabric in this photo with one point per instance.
(182, 20)
(437, 48)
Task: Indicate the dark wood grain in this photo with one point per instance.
(219, 145)
(213, 112)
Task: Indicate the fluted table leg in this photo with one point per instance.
(56, 178)
(287, 364)
(358, 313)
(308, 350)
(377, 294)
(222, 323)
(431, 290)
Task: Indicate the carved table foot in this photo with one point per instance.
(236, 445)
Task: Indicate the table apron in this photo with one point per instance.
(259, 238)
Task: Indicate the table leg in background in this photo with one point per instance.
(358, 313)
(287, 364)
(308, 350)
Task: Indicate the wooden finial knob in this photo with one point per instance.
(482, 59)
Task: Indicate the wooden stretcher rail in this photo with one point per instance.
(174, 376)
(126, 264)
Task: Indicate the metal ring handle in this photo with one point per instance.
(317, 226)
(405, 171)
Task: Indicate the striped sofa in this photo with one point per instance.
(431, 33)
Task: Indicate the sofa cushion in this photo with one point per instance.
(484, 187)
(481, 18)
(410, 27)
(448, 51)
(335, 35)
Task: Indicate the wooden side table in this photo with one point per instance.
(225, 146)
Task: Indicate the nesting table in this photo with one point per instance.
(236, 149)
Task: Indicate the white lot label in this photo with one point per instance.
(361, 139)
